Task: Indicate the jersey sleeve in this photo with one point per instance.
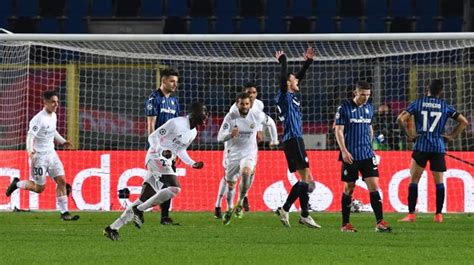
(35, 126)
(411, 108)
(261, 119)
(451, 112)
(183, 154)
(150, 108)
(178, 109)
(283, 72)
(225, 130)
(340, 117)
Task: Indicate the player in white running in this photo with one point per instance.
(268, 126)
(43, 158)
(240, 130)
(167, 142)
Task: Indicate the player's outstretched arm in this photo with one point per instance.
(281, 57)
(462, 124)
(309, 56)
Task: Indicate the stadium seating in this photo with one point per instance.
(243, 16)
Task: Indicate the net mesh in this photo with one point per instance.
(104, 85)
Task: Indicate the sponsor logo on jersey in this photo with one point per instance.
(172, 111)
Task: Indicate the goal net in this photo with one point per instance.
(104, 81)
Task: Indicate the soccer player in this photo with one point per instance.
(289, 108)
(240, 130)
(268, 125)
(161, 106)
(43, 157)
(161, 183)
(431, 114)
(354, 135)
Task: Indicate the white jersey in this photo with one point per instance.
(176, 136)
(244, 145)
(43, 128)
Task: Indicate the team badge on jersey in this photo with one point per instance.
(149, 106)
(252, 126)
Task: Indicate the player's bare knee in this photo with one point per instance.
(61, 181)
(246, 172)
(230, 185)
(349, 188)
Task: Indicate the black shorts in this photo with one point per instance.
(367, 167)
(437, 161)
(295, 154)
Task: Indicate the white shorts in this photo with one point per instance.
(233, 168)
(43, 164)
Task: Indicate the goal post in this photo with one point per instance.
(104, 81)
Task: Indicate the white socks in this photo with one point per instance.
(230, 198)
(222, 191)
(126, 216)
(22, 184)
(61, 203)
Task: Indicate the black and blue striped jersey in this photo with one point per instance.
(431, 115)
(164, 108)
(357, 121)
(289, 104)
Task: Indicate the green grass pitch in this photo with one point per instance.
(258, 238)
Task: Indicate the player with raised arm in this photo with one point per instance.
(166, 143)
(161, 106)
(354, 135)
(289, 108)
(431, 114)
(43, 157)
(240, 130)
(269, 126)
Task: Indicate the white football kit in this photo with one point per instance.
(240, 151)
(45, 161)
(268, 124)
(173, 137)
